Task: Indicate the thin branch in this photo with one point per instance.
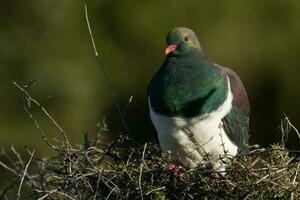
(17, 155)
(4, 153)
(141, 172)
(97, 186)
(9, 168)
(107, 79)
(79, 171)
(189, 133)
(110, 193)
(39, 129)
(292, 126)
(48, 194)
(24, 174)
(55, 191)
(155, 190)
(221, 125)
(43, 109)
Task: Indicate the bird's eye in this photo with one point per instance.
(186, 38)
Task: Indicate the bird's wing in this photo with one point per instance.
(236, 122)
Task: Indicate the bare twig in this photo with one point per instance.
(24, 174)
(17, 155)
(198, 145)
(110, 193)
(55, 191)
(39, 129)
(43, 109)
(221, 137)
(107, 79)
(48, 194)
(156, 189)
(79, 171)
(97, 187)
(141, 171)
(9, 168)
(290, 125)
(293, 185)
(4, 153)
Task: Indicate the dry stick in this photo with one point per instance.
(79, 171)
(116, 189)
(16, 173)
(55, 191)
(222, 141)
(190, 134)
(42, 108)
(284, 132)
(48, 194)
(78, 191)
(293, 185)
(269, 174)
(65, 195)
(40, 129)
(141, 171)
(24, 174)
(4, 153)
(17, 155)
(101, 64)
(110, 194)
(8, 168)
(291, 125)
(155, 190)
(31, 179)
(97, 186)
(258, 151)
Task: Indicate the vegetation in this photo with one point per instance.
(122, 169)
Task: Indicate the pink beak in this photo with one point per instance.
(170, 48)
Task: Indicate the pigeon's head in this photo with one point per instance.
(182, 41)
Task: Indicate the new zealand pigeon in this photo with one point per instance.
(200, 109)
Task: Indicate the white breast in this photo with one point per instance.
(190, 140)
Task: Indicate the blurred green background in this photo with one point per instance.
(49, 40)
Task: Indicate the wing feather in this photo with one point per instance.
(236, 122)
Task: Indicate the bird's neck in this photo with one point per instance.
(194, 65)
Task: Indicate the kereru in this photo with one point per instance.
(200, 109)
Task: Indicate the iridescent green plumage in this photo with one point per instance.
(187, 87)
(187, 84)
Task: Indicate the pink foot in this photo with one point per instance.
(174, 169)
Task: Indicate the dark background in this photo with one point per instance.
(49, 40)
